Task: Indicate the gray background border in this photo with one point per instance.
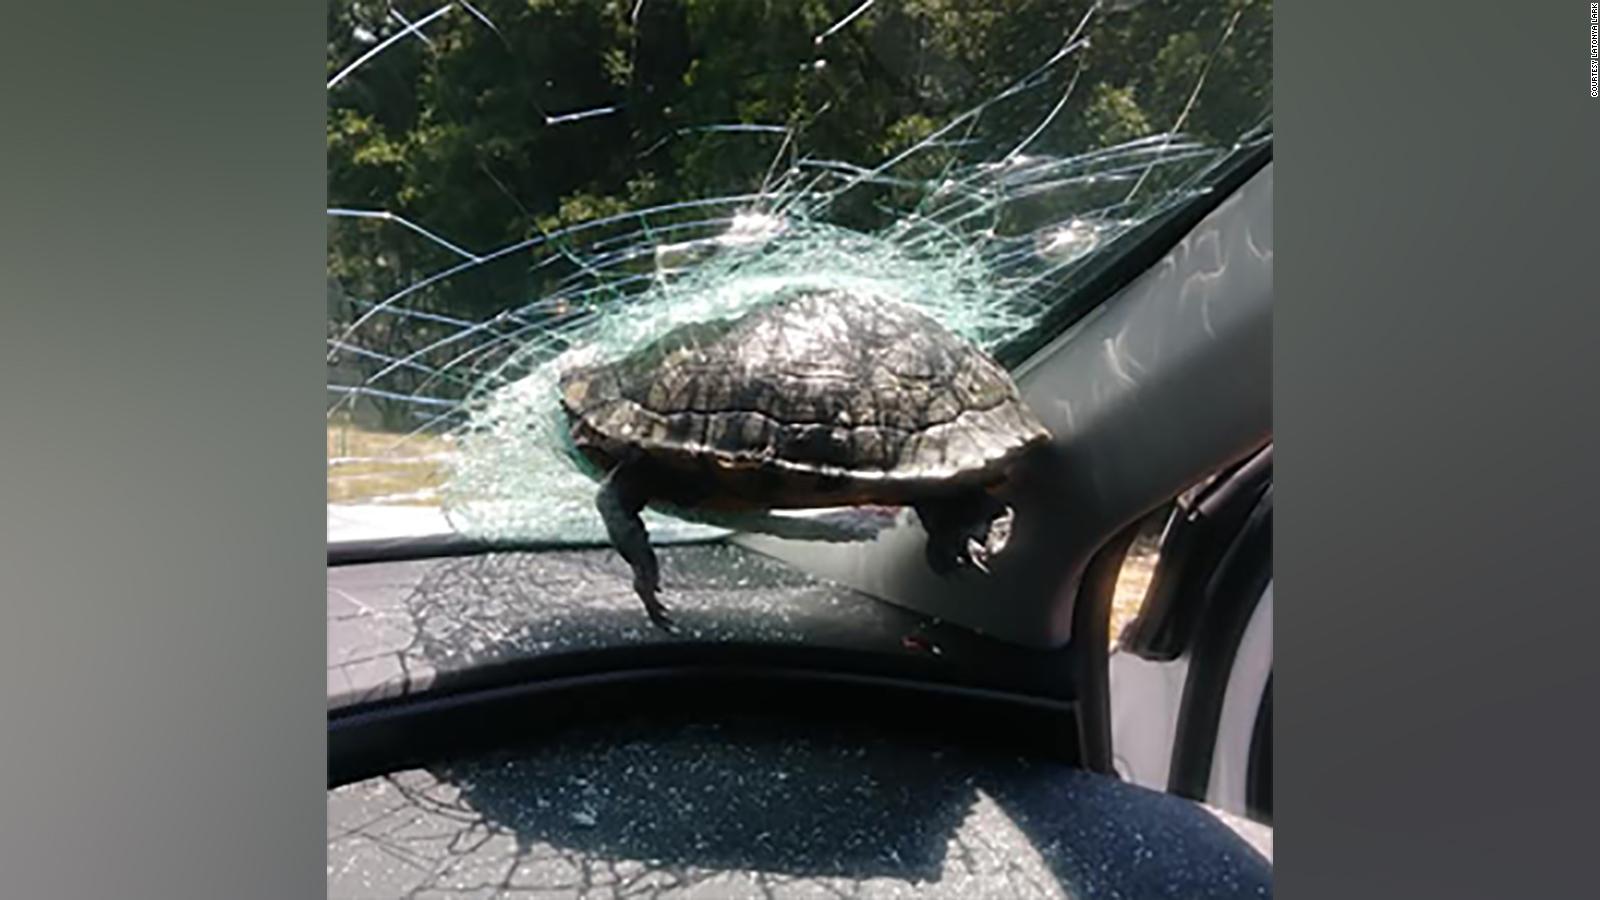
(161, 527)
(161, 721)
(1435, 416)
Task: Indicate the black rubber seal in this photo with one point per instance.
(1234, 592)
(1195, 539)
(1258, 788)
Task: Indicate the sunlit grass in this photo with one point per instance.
(1133, 581)
(366, 466)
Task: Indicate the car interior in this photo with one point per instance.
(1081, 190)
(833, 719)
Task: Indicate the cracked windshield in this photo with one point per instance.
(585, 256)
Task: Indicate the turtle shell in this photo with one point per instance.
(815, 398)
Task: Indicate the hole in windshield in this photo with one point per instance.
(513, 186)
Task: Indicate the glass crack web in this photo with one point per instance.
(516, 186)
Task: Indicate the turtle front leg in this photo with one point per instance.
(620, 501)
(967, 530)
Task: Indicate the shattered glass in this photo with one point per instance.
(398, 628)
(515, 186)
(765, 809)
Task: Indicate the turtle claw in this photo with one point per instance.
(658, 615)
(964, 532)
(978, 555)
(646, 589)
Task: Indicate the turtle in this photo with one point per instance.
(810, 398)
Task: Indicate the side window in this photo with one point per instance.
(1138, 571)
(1138, 568)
